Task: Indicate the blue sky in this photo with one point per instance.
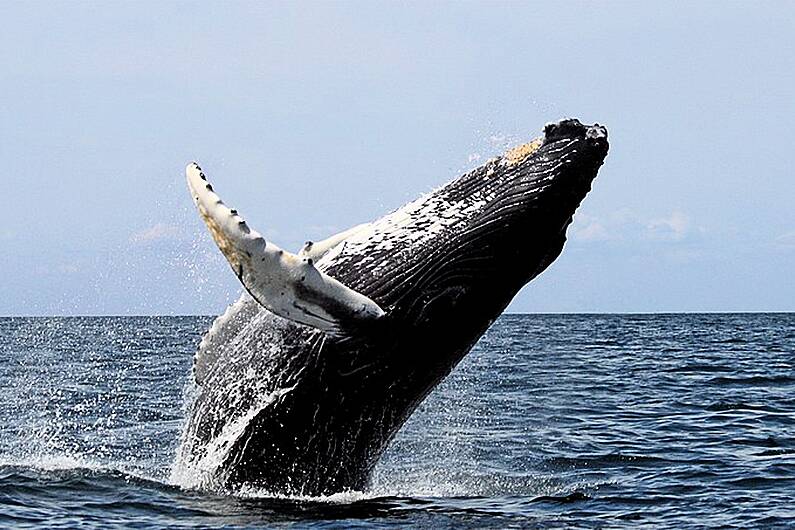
(311, 118)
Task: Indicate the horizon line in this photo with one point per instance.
(507, 313)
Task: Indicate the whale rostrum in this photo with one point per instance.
(302, 383)
(286, 284)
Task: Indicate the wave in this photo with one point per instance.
(64, 465)
(755, 380)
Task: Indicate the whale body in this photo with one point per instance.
(302, 383)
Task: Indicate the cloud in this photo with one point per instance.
(68, 268)
(587, 228)
(786, 240)
(157, 232)
(625, 225)
(674, 227)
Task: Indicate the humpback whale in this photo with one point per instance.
(302, 383)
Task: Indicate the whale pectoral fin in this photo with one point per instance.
(284, 283)
(317, 249)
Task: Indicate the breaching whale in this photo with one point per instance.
(303, 381)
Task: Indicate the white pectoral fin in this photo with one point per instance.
(284, 283)
(318, 249)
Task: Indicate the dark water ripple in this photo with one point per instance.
(553, 421)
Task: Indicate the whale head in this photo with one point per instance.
(452, 260)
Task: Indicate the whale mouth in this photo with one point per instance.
(572, 128)
(558, 166)
(567, 140)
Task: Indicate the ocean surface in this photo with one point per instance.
(552, 421)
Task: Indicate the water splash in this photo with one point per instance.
(199, 470)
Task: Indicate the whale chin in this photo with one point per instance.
(305, 380)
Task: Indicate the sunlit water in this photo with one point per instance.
(591, 421)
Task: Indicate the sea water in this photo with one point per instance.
(552, 421)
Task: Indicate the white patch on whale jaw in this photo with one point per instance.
(415, 224)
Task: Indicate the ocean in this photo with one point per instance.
(552, 421)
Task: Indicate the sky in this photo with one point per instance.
(310, 118)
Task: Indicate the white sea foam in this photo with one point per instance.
(52, 462)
